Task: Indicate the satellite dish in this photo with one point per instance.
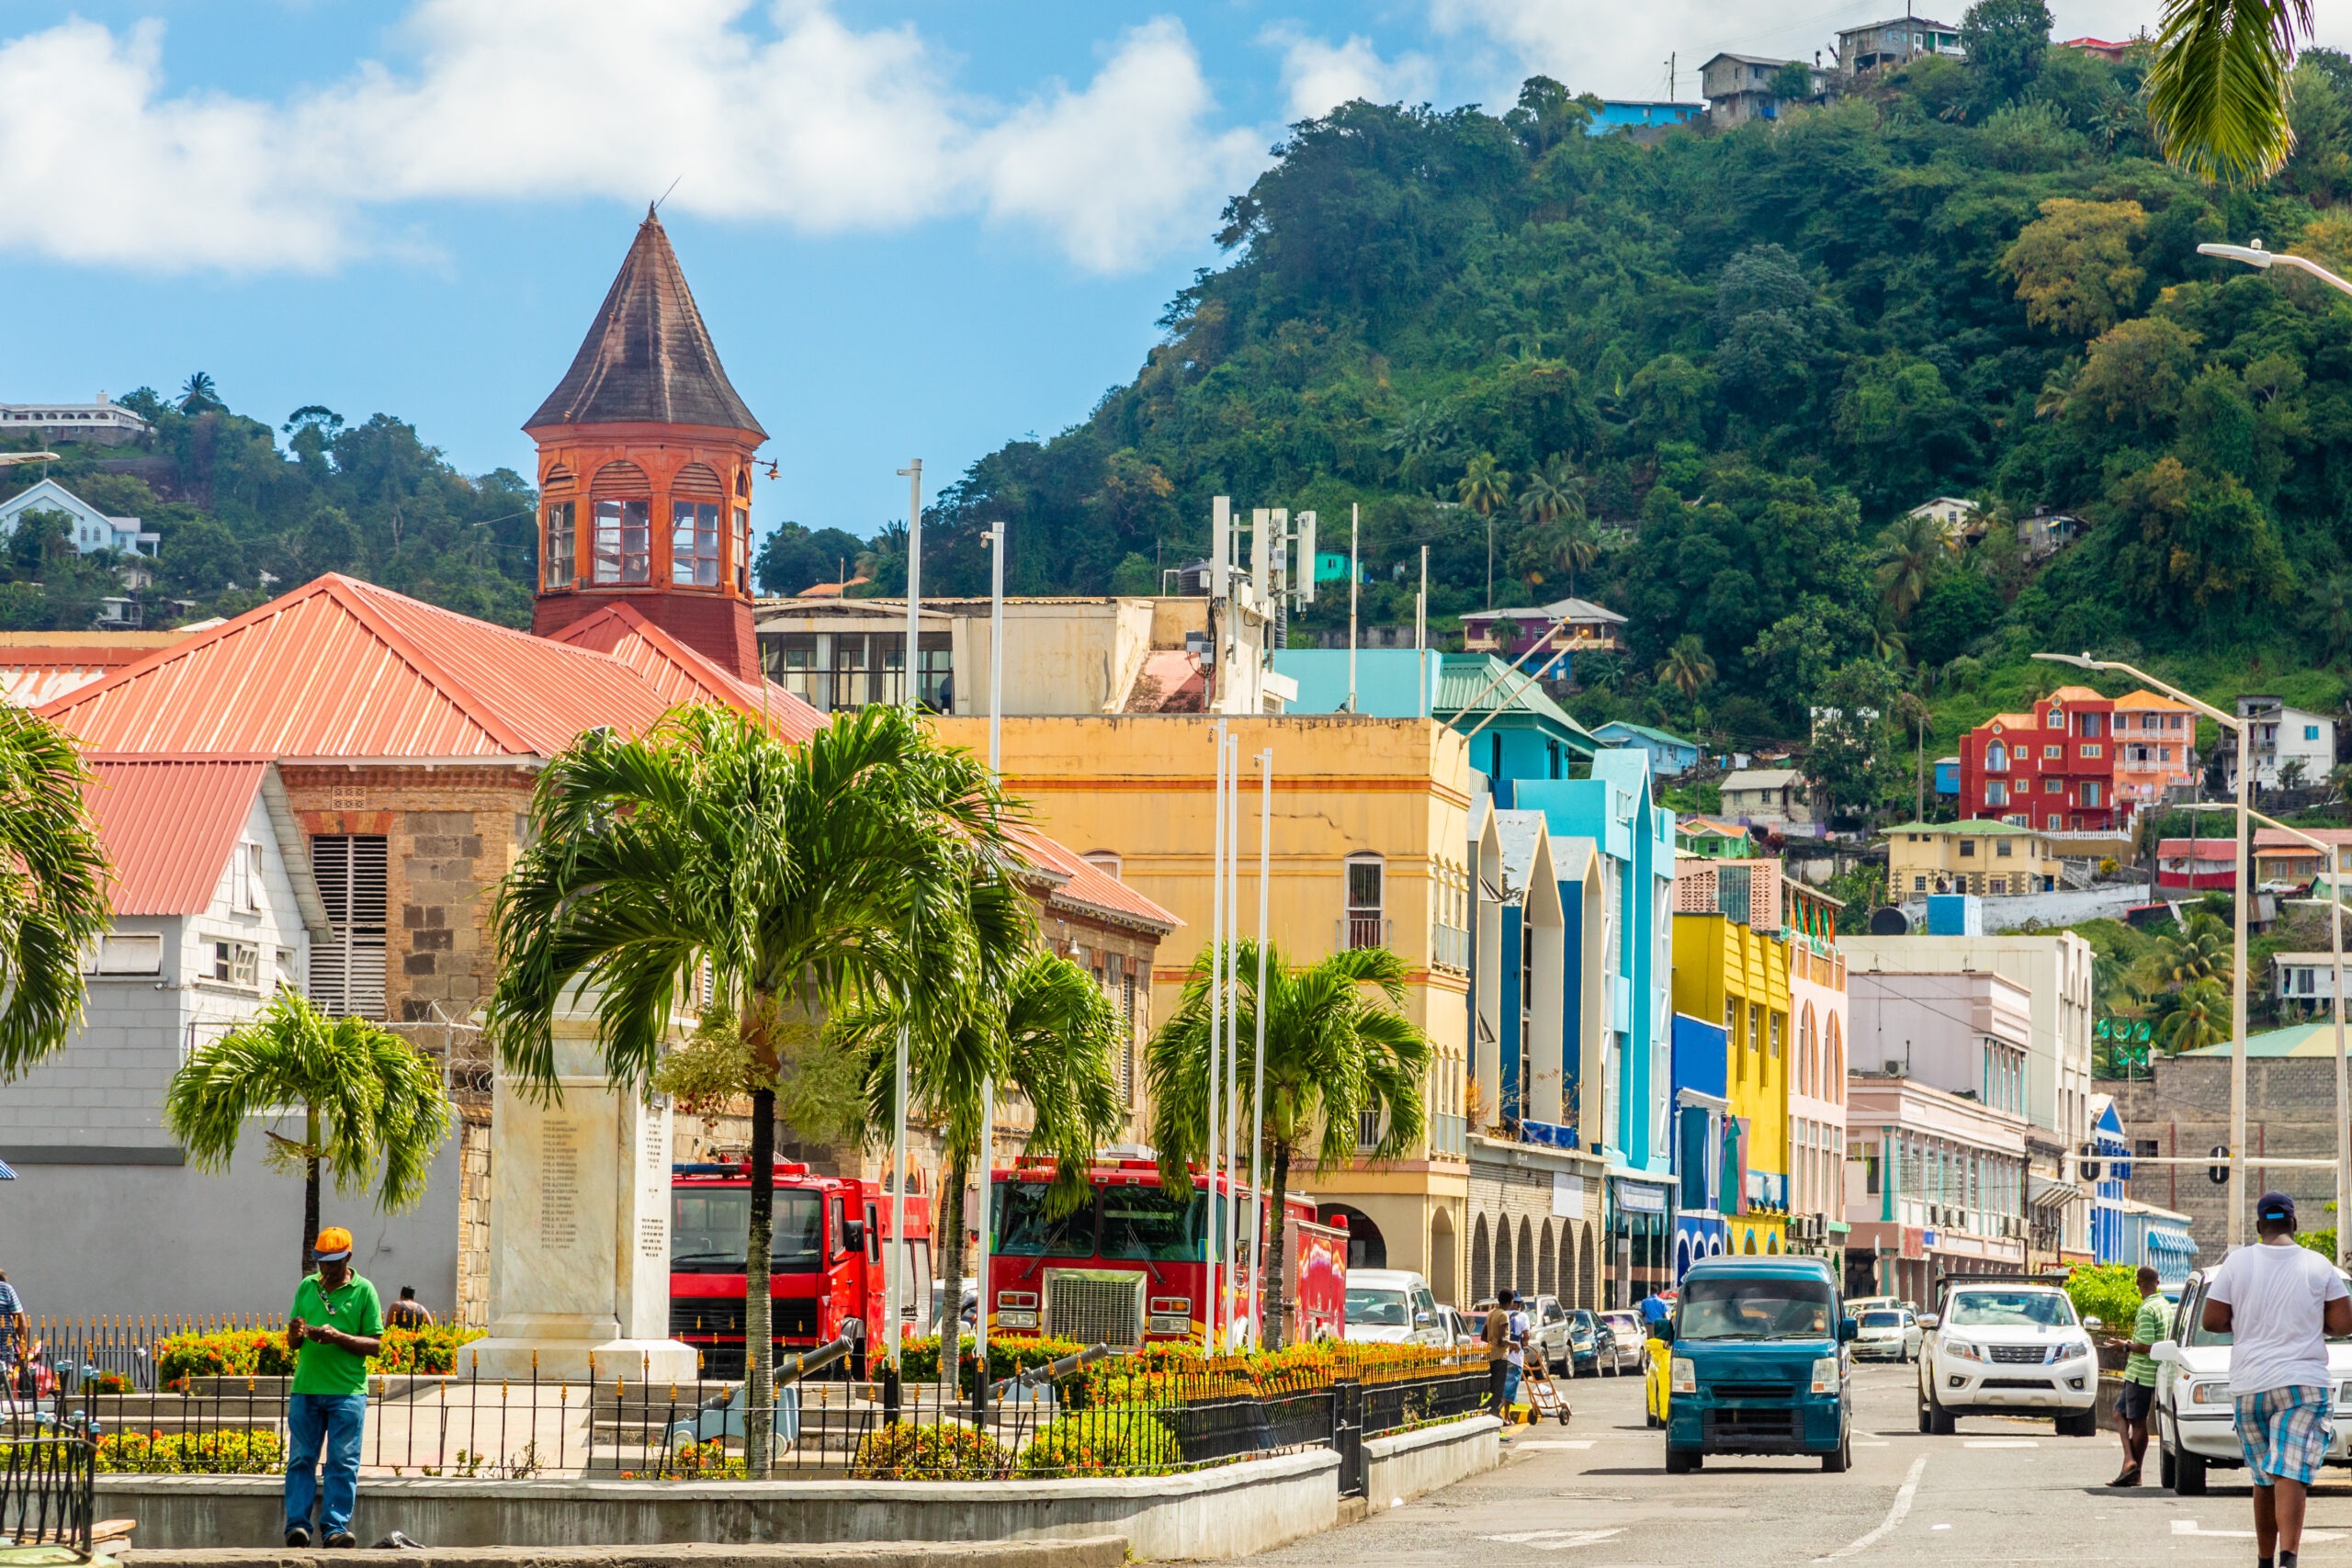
(1890, 921)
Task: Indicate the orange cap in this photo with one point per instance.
(333, 1245)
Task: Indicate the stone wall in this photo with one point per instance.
(2185, 1110)
(1512, 1189)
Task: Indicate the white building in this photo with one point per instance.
(215, 907)
(91, 529)
(2290, 747)
(102, 424)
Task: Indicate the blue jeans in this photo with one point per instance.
(332, 1422)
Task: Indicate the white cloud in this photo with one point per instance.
(805, 120)
(1319, 76)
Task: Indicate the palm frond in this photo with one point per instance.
(2218, 91)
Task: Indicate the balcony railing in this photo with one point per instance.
(1364, 931)
(1449, 947)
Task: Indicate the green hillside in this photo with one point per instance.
(1702, 380)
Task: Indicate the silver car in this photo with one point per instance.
(1632, 1341)
(1888, 1334)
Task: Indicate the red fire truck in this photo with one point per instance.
(826, 1260)
(1127, 1269)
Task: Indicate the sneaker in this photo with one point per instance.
(298, 1538)
(343, 1540)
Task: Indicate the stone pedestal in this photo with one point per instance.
(579, 1231)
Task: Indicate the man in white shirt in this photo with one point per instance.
(2279, 1302)
(1519, 1327)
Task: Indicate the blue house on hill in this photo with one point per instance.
(1670, 755)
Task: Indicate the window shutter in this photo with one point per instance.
(347, 964)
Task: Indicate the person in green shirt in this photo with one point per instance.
(2139, 1392)
(336, 1324)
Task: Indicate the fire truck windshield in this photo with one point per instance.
(708, 1228)
(1021, 1229)
(1152, 1223)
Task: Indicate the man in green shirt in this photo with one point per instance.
(2139, 1393)
(335, 1324)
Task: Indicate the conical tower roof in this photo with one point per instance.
(647, 359)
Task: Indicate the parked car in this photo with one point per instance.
(1393, 1307)
(2006, 1348)
(1591, 1344)
(2195, 1431)
(1888, 1334)
(1549, 1331)
(1758, 1364)
(1457, 1326)
(1629, 1340)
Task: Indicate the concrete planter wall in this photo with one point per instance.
(1400, 1468)
(1230, 1511)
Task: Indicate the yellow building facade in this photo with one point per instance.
(1727, 972)
(1370, 847)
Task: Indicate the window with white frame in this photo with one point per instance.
(237, 964)
(1366, 924)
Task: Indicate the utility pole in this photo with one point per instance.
(913, 474)
(1258, 1059)
(1421, 633)
(1355, 573)
(1217, 1023)
(896, 1282)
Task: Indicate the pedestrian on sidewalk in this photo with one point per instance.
(408, 1312)
(1519, 1328)
(1653, 1309)
(1496, 1335)
(2139, 1392)
(2279, 1302)
(335, 1324)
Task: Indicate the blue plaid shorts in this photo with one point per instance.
(2285, 1432)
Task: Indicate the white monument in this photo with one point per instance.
(579, 1230)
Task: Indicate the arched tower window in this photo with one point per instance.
(623, 500)
(697, 500)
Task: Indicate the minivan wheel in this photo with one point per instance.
(1683, 1462)
(1841, 1460)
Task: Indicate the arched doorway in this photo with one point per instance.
(1523, 1272)
(1367, 1247)
(1547, 1263)
(1482, 1269)
(1589, 1269)
(1747, 1243)
(1442, 1259)
(1569, 1291)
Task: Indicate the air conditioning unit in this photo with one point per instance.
(1893, 1068)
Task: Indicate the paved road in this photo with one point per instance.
(1595, 1494)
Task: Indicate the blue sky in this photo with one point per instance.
(916, 229)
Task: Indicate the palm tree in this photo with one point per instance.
(2201, 1019)
(1045, 1033)
(1686, 665)
(53, 902)
(2216, 94)
(199, 395)
(1335, 1056)
(706, 857)
(2202, 952)
(1908, 549)
(372, 1106)
(1424, 435)
(1484, 488)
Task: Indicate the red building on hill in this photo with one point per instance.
(2053, 769)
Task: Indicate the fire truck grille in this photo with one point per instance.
(1094, 1308)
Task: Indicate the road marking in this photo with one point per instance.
(1554, 1540)
(1894, 1513)
(1861, 1445)
(1553, 1443)
(2001, 1443)
(2189, 1527)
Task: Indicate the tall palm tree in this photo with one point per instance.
(53, 901)
(199, 395)
(1686, 665)
(1484, 488)
(372, 1105)
(708, 857)
(1044, 1031)
(2202, 952)
(1551, 492)
(2202, 1019)
(1908, 549)
(1338, 1051)
(2216, 94)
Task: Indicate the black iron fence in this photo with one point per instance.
(47, 1478)
(1105, 1416)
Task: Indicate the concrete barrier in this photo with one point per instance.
(1087, 1551)
(1399, 1468)
(1229, 1511)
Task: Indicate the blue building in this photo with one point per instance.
(1947, 778)
(1643, 114)
(1701, 1105)
(1670, 755)
(1633, 838)
(2113, 1151)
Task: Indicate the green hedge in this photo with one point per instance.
(2108, 1291)
(1103, 1442)
(224, 1451)
(946, 1452)
(257, 1353)
(1008, 1356)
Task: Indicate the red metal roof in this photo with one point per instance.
(2223, 849)
(341, 668)
(681, 675)
(1086, 887)
(168, 824)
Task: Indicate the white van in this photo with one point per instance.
(1393, 1307)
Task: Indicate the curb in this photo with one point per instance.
(1084, 1551)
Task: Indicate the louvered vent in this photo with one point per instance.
(347, 964)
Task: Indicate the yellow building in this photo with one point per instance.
(1983, 857)
(1726, 970)
(1371, 841)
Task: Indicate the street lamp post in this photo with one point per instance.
(2333, 857)
(2235, 1232)
(2255, 256)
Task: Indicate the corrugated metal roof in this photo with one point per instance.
(168, 824)
(679, 673)
(341, 668)
(40, 667)
(1481, 679)
(1086, 886)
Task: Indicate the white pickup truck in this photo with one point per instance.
(2195, 1430)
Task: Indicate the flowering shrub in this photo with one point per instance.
(1103, 1442)
(431, 1349)
(224, 1451)
(259, 1353)
(1008, 1355)
(944, 1453)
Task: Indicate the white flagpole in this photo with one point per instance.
(1216, 1022)
(1258, 1061)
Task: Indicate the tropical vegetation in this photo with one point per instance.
(53, 896)
(372, 1107)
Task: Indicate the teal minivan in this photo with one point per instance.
(1758, 1363)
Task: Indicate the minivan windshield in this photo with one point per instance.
(1732, 1308)
(1369, 1308)
(2010, 1309)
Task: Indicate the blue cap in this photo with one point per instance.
(2274, 1206)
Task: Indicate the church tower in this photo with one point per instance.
(645, 470)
